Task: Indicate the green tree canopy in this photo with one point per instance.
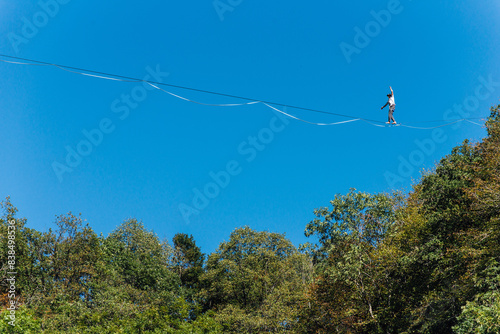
(255, 282)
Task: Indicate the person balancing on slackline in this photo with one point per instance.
(392, 106)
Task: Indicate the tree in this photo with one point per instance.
(187, 260)
(255, 281)
(351, 277)
(355, 216)
(428, 269)
(140, 258)
(481, 314)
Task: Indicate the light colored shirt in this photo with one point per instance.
(392, 102)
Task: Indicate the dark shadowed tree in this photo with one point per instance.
(187, 260)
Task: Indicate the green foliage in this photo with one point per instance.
(72, 281)
(188, 263)
(24, 322)
(482, 314)
(351, 274)
(140, 258)
(22, 250)
(254, 281)
(356, 216)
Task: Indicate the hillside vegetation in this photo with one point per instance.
(423, 262)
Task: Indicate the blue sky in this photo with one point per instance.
(155, 153)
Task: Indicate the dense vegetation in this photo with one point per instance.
(423, 262)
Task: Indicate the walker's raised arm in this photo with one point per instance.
(391, 90)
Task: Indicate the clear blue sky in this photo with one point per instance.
(158, 149)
